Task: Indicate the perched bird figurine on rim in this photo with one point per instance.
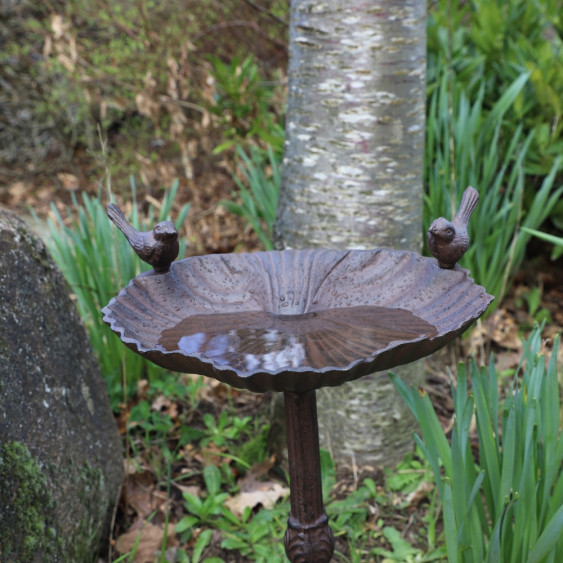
(448, 240)
(158, 247)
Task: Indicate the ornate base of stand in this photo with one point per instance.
(313, 542)
(308, 538)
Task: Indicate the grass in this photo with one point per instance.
(98, 262)
(258, 191)
(552, 239)
(469, 146)
(507, 504)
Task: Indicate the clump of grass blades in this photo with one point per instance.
(492, 42)
(508, 506)
(97, 262)
(258, 192)
(552, 239)
(469, 145)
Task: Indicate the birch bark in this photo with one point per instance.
(352, 173)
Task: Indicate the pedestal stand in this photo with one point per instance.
(308, 538)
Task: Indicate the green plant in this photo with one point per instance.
(402, 551)
(533, 298)
(490, 43)
(261, 173)
(471, 147)
(494, 122)
(556, 241)
(226, 428)
(129, 557)
(243, 101)
(259, 537)
(409, 473)
(98, 262)
(508, 505)
(348, 517)
(208, 510)
(159, 440)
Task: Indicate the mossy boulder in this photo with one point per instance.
(61, 462)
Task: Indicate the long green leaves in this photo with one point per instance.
(469, 147)
(259, 191)
(556, 241)
(97, 262)
(509, 503)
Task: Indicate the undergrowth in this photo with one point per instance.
(224, 493)
(97, 263)
(506, 503)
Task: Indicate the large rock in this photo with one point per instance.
(60, 453)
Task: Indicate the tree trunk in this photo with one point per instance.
(352, 172)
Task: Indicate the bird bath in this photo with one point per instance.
(294, 321)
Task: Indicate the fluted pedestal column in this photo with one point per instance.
(308, 538)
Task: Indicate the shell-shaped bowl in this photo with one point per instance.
(295, 320)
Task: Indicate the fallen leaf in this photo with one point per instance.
(139, 491)
(209, 455)
(503, 330)
(165, 405)
(149, 544)
(266, 495)
(68, 181)
(247, 483)
(190, 489)
(507, 360)
(133, 465)
(474, 344)
(142, 389)
(58, 26)
(421, 493)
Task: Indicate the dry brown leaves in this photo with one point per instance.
(256, 492)
(148, 506)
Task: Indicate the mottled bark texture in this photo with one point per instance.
(352, 172)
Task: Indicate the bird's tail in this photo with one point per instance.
(469, 202)
(116, 215)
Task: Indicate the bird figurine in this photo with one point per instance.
(448, 240)
(158, 247)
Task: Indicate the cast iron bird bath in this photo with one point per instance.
(295, 321)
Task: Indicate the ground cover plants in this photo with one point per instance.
(203, 486)
(158, 79)
(218, 495)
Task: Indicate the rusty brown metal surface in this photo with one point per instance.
(158, 247)
(308, 536)
(295, 320)
(447, 240)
